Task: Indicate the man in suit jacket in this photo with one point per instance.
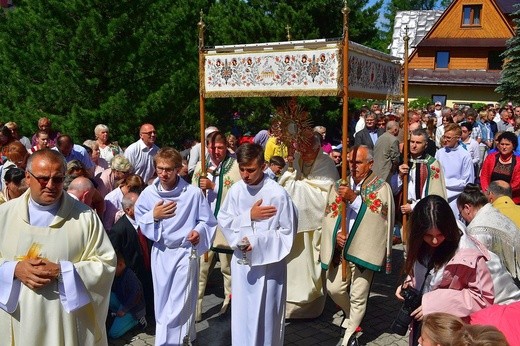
(386, 152)
(369, 135)
(136, 249)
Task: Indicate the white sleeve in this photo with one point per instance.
(9, 287)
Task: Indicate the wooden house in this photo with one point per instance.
(458, 61)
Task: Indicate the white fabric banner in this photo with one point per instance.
(266, 70)
(269, 73)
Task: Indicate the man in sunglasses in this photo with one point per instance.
(141, 153)
(56, 263)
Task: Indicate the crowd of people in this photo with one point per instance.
(103, 239)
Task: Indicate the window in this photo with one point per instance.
(440, 98)
(495, 61)
(442, 59)
(471, 15)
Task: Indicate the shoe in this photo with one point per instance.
(226, 306)
(352, 341)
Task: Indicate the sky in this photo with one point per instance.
(382, 11)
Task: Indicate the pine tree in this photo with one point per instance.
(509, 85)
(117, 62)
(125, 62)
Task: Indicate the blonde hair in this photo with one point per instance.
(455, 128)
(440, 326)
(475, 335)
(121, 163)
(169, 154)
(11, 125)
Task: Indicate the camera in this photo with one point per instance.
(412, 300)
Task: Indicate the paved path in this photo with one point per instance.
(215, 329)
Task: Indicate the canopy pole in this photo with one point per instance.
(344, 137)
(404, 233)
(202, 27)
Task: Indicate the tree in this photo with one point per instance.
(266, 22)
(123, 62)
(115, 62)
(509, 84)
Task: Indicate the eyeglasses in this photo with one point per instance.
(168, 170)
(45, 180)
(149, 133)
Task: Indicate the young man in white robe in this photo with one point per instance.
(456, 164)
(56, 263)
(259, 211)
(177, 218)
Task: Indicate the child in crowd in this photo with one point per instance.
(443, 329)
(275, 167)
(127, 306)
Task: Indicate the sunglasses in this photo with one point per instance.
(45, 180)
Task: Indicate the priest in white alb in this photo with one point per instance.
(56, 263)
(259, 212)
(310, 186)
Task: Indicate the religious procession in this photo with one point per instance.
(395, 223)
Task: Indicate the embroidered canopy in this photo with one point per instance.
(298, 68)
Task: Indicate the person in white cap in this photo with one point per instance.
(195, 150)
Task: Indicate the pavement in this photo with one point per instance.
(215, 329)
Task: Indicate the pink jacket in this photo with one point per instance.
(504, 317)
(466, 285)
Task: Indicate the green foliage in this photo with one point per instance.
(122, 62)
(87, 62)
(445, 3)
(420, 103)
(479, 106)
(509, 85)
(266, 22)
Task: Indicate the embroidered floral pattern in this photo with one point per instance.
(333, 209)
(374, 203)
(196, 175)
(435, 172)
(227, 182)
